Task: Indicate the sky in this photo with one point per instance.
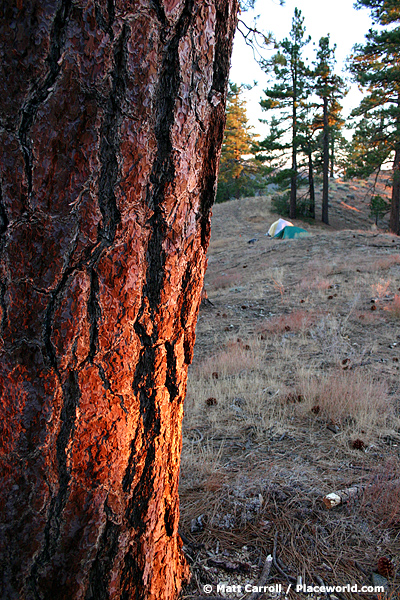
(339, 18)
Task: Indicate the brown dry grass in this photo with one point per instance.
(293, 394)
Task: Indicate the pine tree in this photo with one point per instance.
(329, 87)
(235, 173)
(376, 67)
(111, 129)
(289, 72)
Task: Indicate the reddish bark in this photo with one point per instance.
(112, 122)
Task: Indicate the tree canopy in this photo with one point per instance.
(375, 66)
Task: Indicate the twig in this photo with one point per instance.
(360, 568)
(321, 583)
(263, 578)
(277, 567)
(187, 542)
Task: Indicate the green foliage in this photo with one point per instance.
(238, 176)
(280, 204)
(376, 67)
(378, 207)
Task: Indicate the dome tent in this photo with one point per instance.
(277, 227)
(285, 230)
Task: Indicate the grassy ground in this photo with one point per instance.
(294, 394)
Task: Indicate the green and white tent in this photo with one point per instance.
(290, 232)
(285, 230)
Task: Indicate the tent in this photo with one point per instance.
(277, 227)
(290, 232)
(285, 230)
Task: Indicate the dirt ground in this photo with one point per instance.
(294, 394)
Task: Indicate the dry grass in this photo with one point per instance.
(394, 307)
(293, 394)
(352, 400)
(381, 496)
(295, 321)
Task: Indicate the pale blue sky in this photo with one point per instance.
(345, 25)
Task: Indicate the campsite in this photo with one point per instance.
(293, 395)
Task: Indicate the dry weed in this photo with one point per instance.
(353, 400)
(394, 307)
(315, 283)
(236, 357)
(381, 289)
(225, 280)
(381, 496)
(386, 262)
(296, 321)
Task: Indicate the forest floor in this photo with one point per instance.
(294, 394)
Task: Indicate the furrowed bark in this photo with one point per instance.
(112, 119)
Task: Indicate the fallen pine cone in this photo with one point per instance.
(358, 444)
(385, 567)
(211, 401)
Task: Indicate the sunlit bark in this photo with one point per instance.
(112, 118)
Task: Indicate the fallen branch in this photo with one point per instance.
(263, 578)
(335, 498)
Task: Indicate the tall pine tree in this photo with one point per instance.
(289, 72)
(329, 87)
(376, 67)
(235, 173)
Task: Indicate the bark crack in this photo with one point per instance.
(106, 25)
(56, 294)
(163, 171)
(109, 148)
(94, 314)
(110, 142)
(223, 34)
(3, 304)
(101, 569)
(71, 393)
(4, 222)
(41, 89)
(172, 376)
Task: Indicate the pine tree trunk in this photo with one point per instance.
(293, 178)
(112, 122)
(332, 156)
(325, 173)
(311, 186)
(394, 220)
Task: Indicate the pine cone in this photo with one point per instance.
(385, 567)
(358, 444)
(211, 401)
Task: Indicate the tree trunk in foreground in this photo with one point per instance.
(112, 121)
